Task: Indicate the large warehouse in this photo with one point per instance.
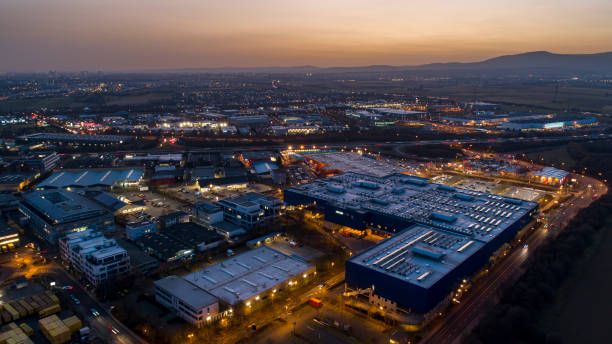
(89, 179)
(445, 233)
(250, 276)
(53, 213)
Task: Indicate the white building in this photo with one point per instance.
(191, 303)
(96, 257)
(207, 213)
(135, 230)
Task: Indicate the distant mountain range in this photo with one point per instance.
(536, 59)
(531, 62)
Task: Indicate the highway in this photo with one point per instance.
(464, 316)
(351, 145)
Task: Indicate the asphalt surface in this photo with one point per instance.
(101, 325)
(349, 145)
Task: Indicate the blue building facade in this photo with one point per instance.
(440, 234)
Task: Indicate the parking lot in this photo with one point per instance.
(526, 194)
(156, 204)
(287, 247)
(191, 194)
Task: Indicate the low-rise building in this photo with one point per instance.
(8, 235)
(207, 213)
(194, 305)
(164, 247)
(139, 260)
(96, 257)
(171, 219)
(251, 209)
(135, 230)
(194, 235)
(52, 214)
(251, 276)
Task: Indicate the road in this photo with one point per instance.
(351, 145)
(317, 325)
(463, 317)
(52, 271)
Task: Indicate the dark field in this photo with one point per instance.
(583, 306)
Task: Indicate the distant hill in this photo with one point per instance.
(537, 60)
(531, 62)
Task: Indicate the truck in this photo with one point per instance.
(316, 303)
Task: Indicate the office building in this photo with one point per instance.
(250, 209)
(96, 257)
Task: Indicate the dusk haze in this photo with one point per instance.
(305, 172)
(135, 35)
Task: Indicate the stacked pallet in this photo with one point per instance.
(13, 334)
(54, 329)
(73, 323)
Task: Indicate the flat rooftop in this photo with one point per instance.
(467, 212)
(192, 234)
(353, 162)
(247, 275)
(186, 292)
(137, 257)
(61, 206)
(90, 178)
(420, 254)
(76, 137)
(249, 200)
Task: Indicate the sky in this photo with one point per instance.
(121, 35)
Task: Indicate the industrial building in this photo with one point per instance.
(331, 162)
(445, 233)
(251, 276)
(180, 241)
(96, 257)
(190, 303)
(250, 209)
(52, 214)
(550, 125)
(164, 247)
(16, 182)
(550, 175)
(74, 139)
(9, 237)
(89, 179)
(41, 161)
